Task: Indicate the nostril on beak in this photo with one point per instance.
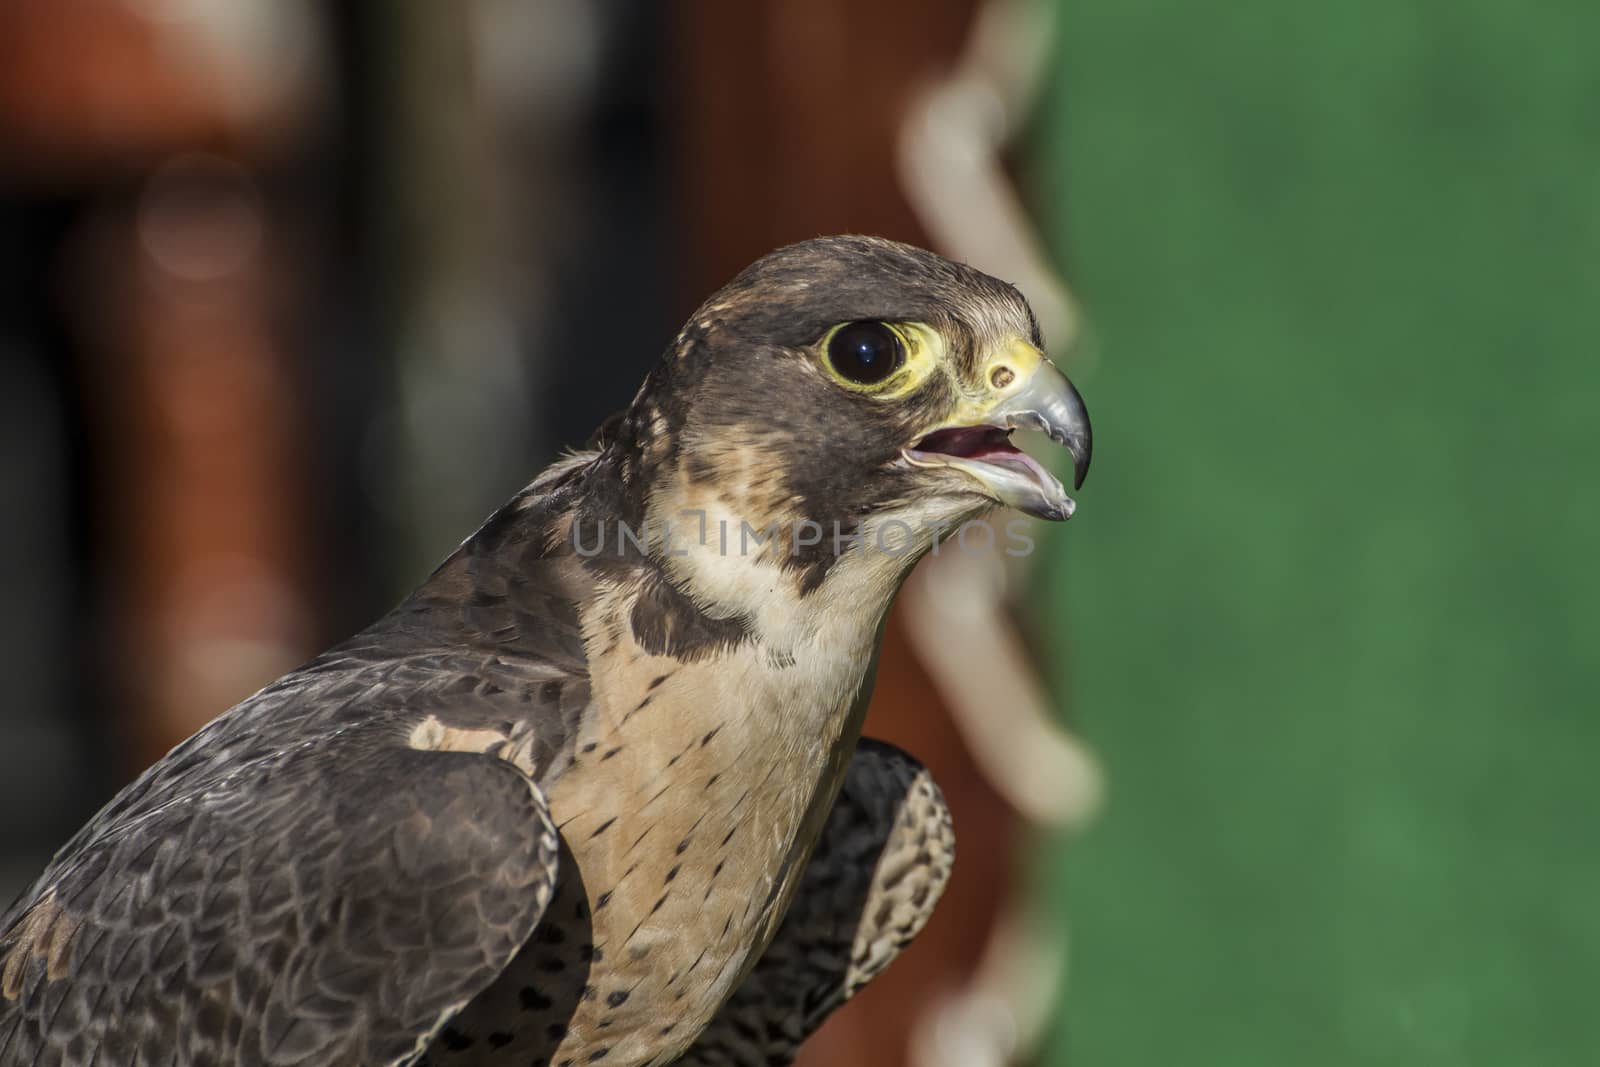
(1002, 376)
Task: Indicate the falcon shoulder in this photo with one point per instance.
(336, 902)
(333, 868)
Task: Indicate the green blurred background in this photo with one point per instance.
(1332, 607)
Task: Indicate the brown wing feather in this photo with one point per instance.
(298, 883)
(334, 904)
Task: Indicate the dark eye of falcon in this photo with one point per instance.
(865, 352)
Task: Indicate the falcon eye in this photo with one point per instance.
(865, 353)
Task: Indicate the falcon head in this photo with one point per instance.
(852, 383)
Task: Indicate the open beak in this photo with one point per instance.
(1029, 393)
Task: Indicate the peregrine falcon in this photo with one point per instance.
(595, 792)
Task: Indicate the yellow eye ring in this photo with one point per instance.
(903, 355)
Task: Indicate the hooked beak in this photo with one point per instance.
(1028, 393)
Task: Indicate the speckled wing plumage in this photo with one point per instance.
(872, 883)
(314, 878)
(332, 903)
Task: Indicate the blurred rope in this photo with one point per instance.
(950, 158)
(952, 172)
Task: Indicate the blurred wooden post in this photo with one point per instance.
(156, 123)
